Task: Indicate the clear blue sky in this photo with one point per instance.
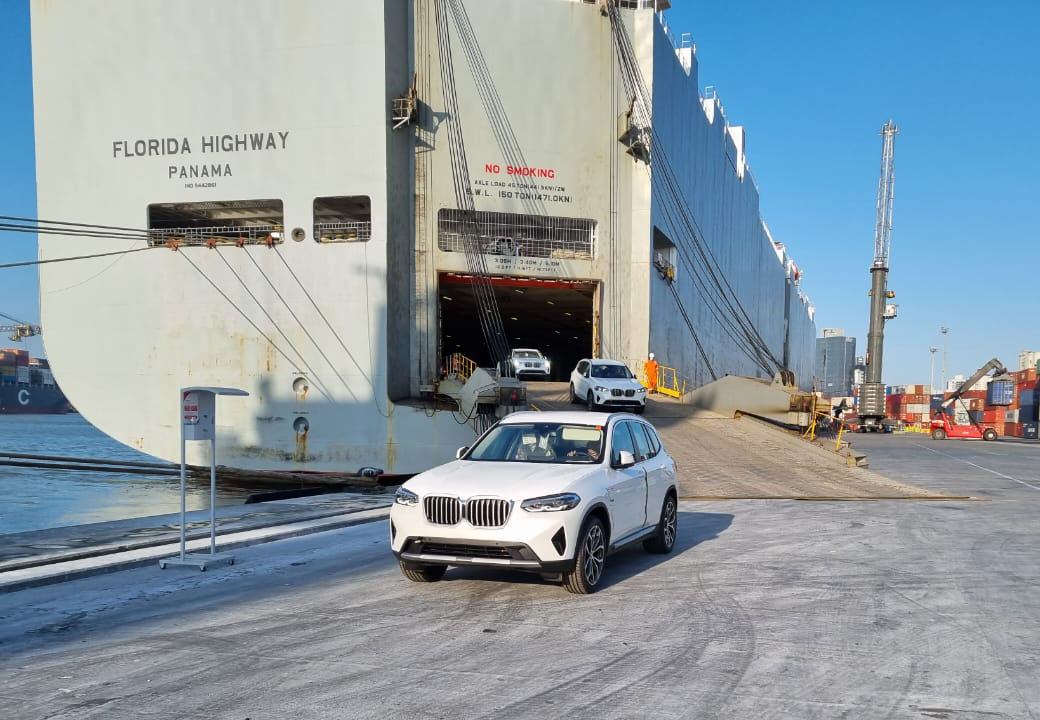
(813, 83)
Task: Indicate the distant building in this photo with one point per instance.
(1028, 359)
(835, 360)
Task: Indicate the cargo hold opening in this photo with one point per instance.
(555, 317)
(225, 221)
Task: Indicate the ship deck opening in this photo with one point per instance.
(554, 316)
(229, 221)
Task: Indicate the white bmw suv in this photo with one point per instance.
(603, 383)
(548, 492)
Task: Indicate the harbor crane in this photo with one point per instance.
(19, 329)
(872, 391)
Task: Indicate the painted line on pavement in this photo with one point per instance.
(966, 462)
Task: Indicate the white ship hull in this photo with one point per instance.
(146, 109)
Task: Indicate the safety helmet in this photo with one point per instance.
(651, 356)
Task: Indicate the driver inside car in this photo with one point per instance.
(591, 451)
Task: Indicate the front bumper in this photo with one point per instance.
(608, 400)
(449, 551)
(541, 541)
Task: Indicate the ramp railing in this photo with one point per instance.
(669, 381)
(460, 366)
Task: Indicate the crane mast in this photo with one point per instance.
(872, 392)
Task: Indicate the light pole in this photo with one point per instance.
(931, 375)
(944, 330)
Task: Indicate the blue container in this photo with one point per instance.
(975, 415)
(1000, 392)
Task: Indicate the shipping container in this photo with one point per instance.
(1000, 392)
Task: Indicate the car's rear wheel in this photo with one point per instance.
(589, 562)
(423, 573)
(663, 542)
(590, 402)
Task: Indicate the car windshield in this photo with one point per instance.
(541, 443)
(613, 372)
(526, 354)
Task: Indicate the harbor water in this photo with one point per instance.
(34, 499)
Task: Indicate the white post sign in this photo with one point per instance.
(198, 409)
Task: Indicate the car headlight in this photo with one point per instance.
(551, 503)
(601, 389)
(641, 389)
(406, 497)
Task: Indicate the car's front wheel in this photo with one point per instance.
(590, 402)
(574, 398)
(639, 409)
(667, 527)
(423, 573)
(589, 562)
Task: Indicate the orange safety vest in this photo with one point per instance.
(651, 373)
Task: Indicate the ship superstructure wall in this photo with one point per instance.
(707, 156)
(555, 81)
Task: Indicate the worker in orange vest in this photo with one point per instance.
(650, 368)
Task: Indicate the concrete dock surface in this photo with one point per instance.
(766, 609)
(731, 458)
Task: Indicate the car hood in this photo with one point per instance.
(619, 383)
(512, 480)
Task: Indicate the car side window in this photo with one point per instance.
(650, 440)
(655, 442)
(581, 367)
(622, 440)
(642, 444)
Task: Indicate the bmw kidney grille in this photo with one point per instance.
(479, 512)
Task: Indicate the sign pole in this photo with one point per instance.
(184, 485)
(213, 495)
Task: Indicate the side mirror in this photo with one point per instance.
(625, 459)
(460, 452)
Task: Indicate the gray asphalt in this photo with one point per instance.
(861, 609)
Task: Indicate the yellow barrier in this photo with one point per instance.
(459, 365)
(669, 382)
(810, 432)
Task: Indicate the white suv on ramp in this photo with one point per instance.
(607, 384)
(548, 492)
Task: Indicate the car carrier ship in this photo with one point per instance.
(346, 205)
(27, 386)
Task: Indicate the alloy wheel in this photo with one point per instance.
(595, 552)
(669, 523)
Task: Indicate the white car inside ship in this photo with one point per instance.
(547, 492)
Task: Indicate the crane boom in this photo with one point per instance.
(886, 196)
(19, 329)
(993, 364)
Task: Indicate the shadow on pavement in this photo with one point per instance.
(694, 529)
